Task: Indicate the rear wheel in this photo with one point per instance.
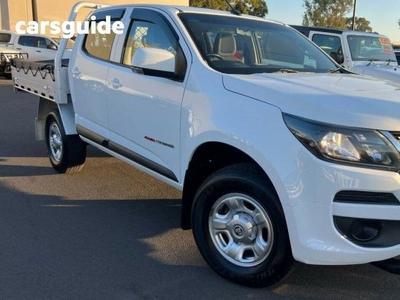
(67, 153)
(240, 228)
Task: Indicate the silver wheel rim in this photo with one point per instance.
(241, 230)
(55, 142)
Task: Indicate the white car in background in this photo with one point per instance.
(38, 47)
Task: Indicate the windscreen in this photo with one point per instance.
(370, 48)
(239, 45)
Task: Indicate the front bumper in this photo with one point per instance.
(316, 228)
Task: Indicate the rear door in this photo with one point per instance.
(88, 69)
(144, 111)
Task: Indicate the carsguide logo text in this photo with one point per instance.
(67, 29)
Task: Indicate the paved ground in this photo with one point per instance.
(111, 232)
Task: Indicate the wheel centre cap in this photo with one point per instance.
(242, 227)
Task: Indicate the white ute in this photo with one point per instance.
(34, 46)
(281, 155)
(364, 53)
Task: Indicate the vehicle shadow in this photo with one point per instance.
(112, 248)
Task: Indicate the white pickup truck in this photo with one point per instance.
(6, 57)
(281, 155)
(360, 52)
(35, 46)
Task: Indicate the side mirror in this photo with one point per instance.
(338, 57)
(154, 59)
(52, 47)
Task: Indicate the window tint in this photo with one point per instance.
(5, 37)
(99, 45)
(29, 41)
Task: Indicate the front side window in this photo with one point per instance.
(239, 45)
(328, 43)
(70, 42)
(44, 43)
(149, 35)
(370, 48)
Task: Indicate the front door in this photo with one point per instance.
(144, 111)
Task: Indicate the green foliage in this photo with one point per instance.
(251, 7)
(362, 24)
(327, 13)
(214, 4)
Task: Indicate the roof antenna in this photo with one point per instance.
(233, 10)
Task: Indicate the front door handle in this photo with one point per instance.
(76, 72)
(116, 84)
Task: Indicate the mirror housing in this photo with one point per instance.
(52, 47)
(338, 57)
(154, 59)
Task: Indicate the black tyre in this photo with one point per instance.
(240, 229)
(67, 153)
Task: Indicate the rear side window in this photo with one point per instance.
(99, 44)
(29, 41)
(5, 38)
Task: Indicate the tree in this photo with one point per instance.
(214, 4)
(327, 13)
(252, 7)
(362, 24)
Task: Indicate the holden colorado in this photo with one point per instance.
(281, 154)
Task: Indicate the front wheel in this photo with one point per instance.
(240, 228)
(67, 153)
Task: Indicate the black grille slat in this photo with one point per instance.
(360, 197)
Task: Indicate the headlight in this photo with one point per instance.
(365, 148)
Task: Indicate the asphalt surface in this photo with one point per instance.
(112, 232)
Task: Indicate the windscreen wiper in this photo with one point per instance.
(286, 71)
(340, 70)
(370, 62)
(390, 60)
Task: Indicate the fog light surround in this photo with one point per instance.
(368, 233)
(365, 230)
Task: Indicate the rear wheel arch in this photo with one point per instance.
(67, 153)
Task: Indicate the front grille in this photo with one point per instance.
(360, 197)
